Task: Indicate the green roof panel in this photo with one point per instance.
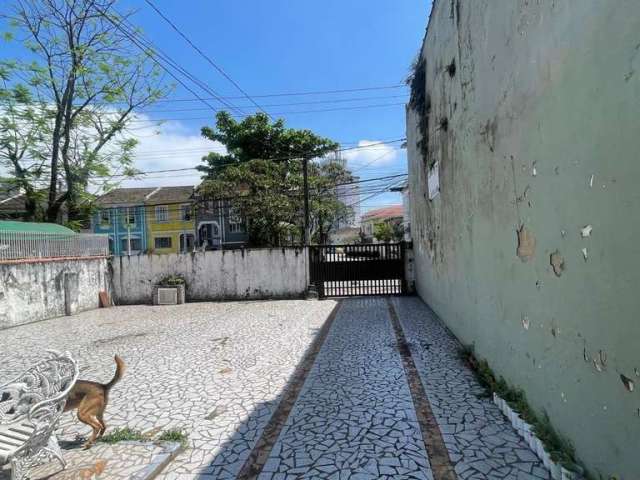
(34, 227)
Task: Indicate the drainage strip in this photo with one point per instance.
(441, 465)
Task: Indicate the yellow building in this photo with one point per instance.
(170, 220)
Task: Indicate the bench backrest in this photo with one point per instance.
(49, 380)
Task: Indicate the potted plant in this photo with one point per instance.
(171, 282)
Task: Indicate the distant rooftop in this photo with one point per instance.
(391, 211)
(146, 196)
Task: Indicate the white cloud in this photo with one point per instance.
(376, 155)
(168, 146)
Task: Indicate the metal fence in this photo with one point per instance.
(35, 245)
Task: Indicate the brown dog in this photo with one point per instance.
(90, 398)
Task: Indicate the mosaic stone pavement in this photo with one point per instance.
(217, 371)
(214, 370)
(354, 417)
(122, 461)
(482, 444)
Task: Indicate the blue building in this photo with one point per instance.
(219, 225)
(121, 215)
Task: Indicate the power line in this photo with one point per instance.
(149, 49)
(212, 149)
(297, 158)
(299, 94)
(277, 95)
(177, 207)
(315, 102)
(386, 177)
(355, 107)
(204, 55)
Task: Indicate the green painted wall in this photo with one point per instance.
(545, 97)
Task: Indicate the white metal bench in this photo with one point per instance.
(30, 408)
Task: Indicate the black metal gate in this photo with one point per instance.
(355, 270)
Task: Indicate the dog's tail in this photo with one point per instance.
(120, 368)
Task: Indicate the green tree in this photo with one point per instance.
(383, 232)
(23, 129)
(388, 232)
(75, 98)
(262, 174)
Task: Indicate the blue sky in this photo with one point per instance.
(288, 46)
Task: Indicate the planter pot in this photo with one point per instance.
(162, 294)
(574, 472)
(556, 470)
(534, 443)
(546, 458)
(496, 398)
(517, 423)
(540, 451)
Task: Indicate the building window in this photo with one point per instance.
(185, 213)
(209, 235)
(236, 225)
(186, 242)
(162, 213)
(129, 216)
(134, 242)
(105, 217)
(162, 242)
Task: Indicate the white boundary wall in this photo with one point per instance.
(214, 275)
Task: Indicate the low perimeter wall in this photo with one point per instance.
(37, 290)
(214, 275)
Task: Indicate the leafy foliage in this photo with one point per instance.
(560, 449)
(173, 280)
(420, 102)
(123, 435)
(387, 232)
(174, 435)
(65, 115)
(262, 176)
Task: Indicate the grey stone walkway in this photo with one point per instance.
(482, 444)
(354, 417)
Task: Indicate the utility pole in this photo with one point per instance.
(305, 176)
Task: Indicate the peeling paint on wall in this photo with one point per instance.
(526, 244)
(521, 156)
(557, 263)
(627, 382)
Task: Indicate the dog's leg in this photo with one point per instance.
(88, 419)
(100, 417)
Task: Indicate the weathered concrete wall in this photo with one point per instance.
(39, 290)
(214, 275)
(541, 132)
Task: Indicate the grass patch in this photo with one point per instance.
(174, 436)
(123, 435)
(560, 449)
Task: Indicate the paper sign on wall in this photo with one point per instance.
(433, 181)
